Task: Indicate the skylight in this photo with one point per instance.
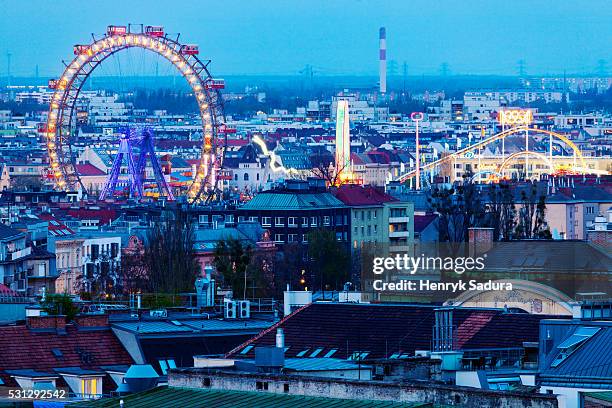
(246, 349)
(572, 343)
(330, 353)
(302, 353)
(316, 352)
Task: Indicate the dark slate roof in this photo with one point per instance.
(8, 232)
(422, 221)
(547, 255)
(592, 361)
(357, 196)
(385, 329)
(22, 348)
(171, 397)
(272, 200)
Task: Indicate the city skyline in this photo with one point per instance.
(477, 37)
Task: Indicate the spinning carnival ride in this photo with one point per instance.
(61, 129)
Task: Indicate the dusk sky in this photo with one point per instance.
(335, 36)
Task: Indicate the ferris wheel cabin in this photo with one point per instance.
(80, 49)
(154, 31)
(215, 84)
(116, 30)
(190, 49)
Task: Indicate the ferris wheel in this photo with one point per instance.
(61, 127)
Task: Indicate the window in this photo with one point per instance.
(89, 387)
(236, 176)
(285, 387)
(279, 238)
(305, 238)
(206, 382)
(253, 219)
(359, 355)
(266, 221)
(325, 220)
(261, 385)
(279, 221)
(246, 350)
(292, 237)
(330, 353)
(304, 221)
(246, 176)
(292, 221)
(569, 345)
(313, 221)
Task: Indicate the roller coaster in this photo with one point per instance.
(472, 153)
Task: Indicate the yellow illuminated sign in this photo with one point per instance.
(514, 117)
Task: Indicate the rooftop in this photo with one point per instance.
(171, 397)
(383, 330)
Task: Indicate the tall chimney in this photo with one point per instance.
(383, 60)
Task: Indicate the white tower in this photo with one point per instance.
(343, 138)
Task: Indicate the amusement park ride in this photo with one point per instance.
(514, 122)
(61, 123)
(143, 140)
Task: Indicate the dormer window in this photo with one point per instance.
(572, 343)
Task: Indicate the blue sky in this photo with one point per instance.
(335, 36)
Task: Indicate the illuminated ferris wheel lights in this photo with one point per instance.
(87, 58)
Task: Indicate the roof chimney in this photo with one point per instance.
(47, 323)
(280, 338)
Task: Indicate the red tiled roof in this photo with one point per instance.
(104, 215)
(237, 142)
(89, 169)
(56, 227)
(355, 195)
(23, 348)
(385, 329)
(6, 291)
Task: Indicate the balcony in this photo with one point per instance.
(16, 255)
(399, 234)
(399, 220)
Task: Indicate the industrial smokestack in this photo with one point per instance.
(383, 60)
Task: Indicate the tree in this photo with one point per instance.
(231, 260)
(246, 269)
(60, 304)
(501, 211)
(459, 208)
(169, 255)
(134, 273)
(329, 259)
(325, 169)
(532, 215)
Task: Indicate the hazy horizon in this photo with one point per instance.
(476, 37)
